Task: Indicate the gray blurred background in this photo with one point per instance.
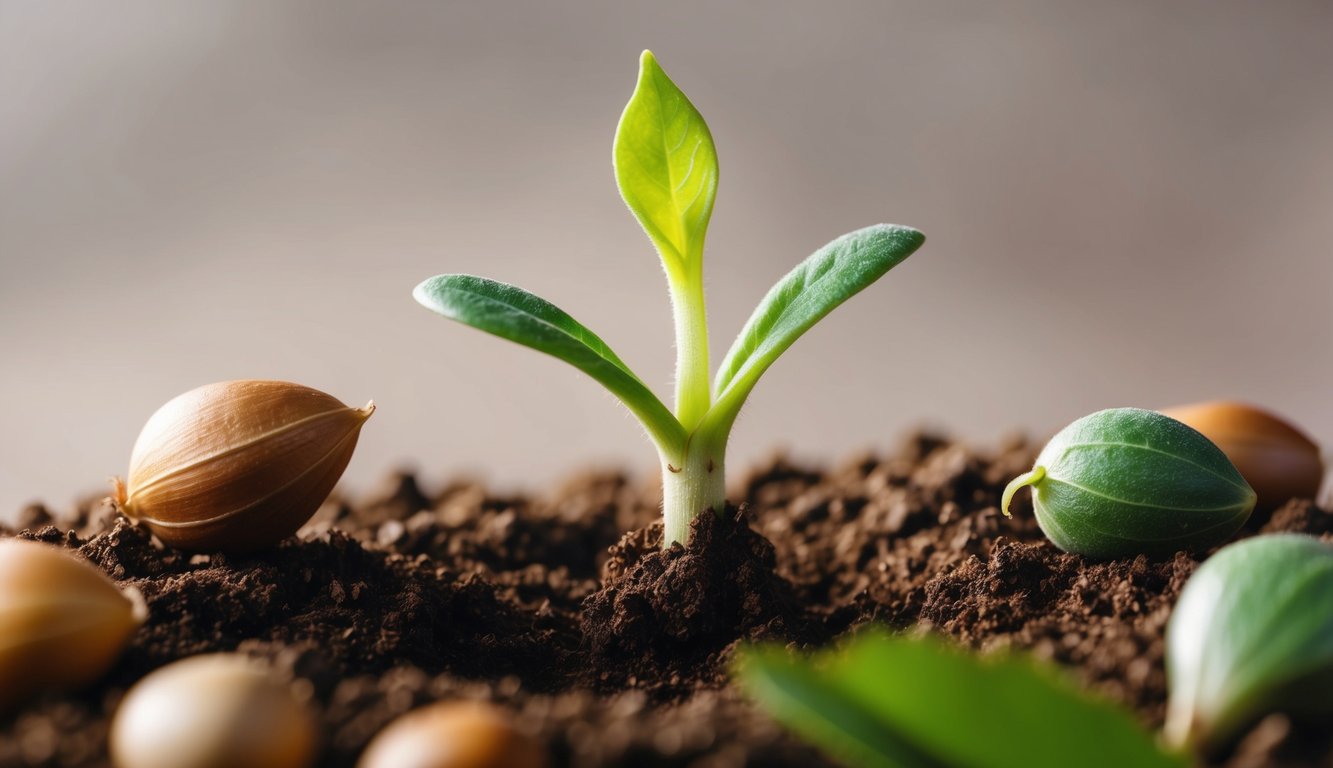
(1126, 204)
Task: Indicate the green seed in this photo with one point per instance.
(1125, 482)
(1251, 633)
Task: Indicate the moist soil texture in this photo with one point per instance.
(566, 611)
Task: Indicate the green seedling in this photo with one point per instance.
(666, 168)
(1251, 633)
(896, 702)
(1124, 482)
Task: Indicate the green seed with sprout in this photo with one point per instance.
(1125, 482)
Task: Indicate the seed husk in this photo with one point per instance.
(238, 466)
(1251, 633)
(219, 710)
(1124, 482)
(1278, 460)
(63, 623)
(453, 734)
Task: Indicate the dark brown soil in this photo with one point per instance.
(611, 650)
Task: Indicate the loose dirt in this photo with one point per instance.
(612, 651)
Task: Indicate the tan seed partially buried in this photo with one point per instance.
(63, 623)
(453, 734)
(220, 710)
(238, 466)
(1276, 458)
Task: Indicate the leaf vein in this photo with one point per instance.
(1159, 451)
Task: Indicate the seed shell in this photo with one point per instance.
(1278, 460)
(240, 465)
(220, 710)
(453, 734)
(63, 623)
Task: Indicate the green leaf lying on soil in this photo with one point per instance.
(900, 702)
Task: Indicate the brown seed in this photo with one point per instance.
(220, 710)
(1276, 458)
(453, 734)
(239, 465)
(63, 623)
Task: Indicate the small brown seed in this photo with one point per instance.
(1274, 457)
(63, 623)
(219, 710)
(453, 734)
(239, 465)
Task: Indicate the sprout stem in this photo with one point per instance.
(693, 391)
(695, 483)
(1038, 472)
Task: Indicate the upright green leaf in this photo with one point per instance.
(514, 314)
(666, 167)
(819, 284)
(918, 703)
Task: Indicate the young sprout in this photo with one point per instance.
(666, 168)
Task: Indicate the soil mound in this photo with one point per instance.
(678, 612)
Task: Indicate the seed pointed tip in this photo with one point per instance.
(367, 411)
(118, 493)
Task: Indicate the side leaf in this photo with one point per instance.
(514, 314)
(794, 694)
(933, 704)
(666, 167)
(813, 289)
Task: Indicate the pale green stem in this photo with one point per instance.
(1028, 478)
(695, 484)
(693, 393)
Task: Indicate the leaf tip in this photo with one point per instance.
(429, 292)
(422, 292)
(910, 236)
(651, 73)
(753, 663)
(915, 235)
